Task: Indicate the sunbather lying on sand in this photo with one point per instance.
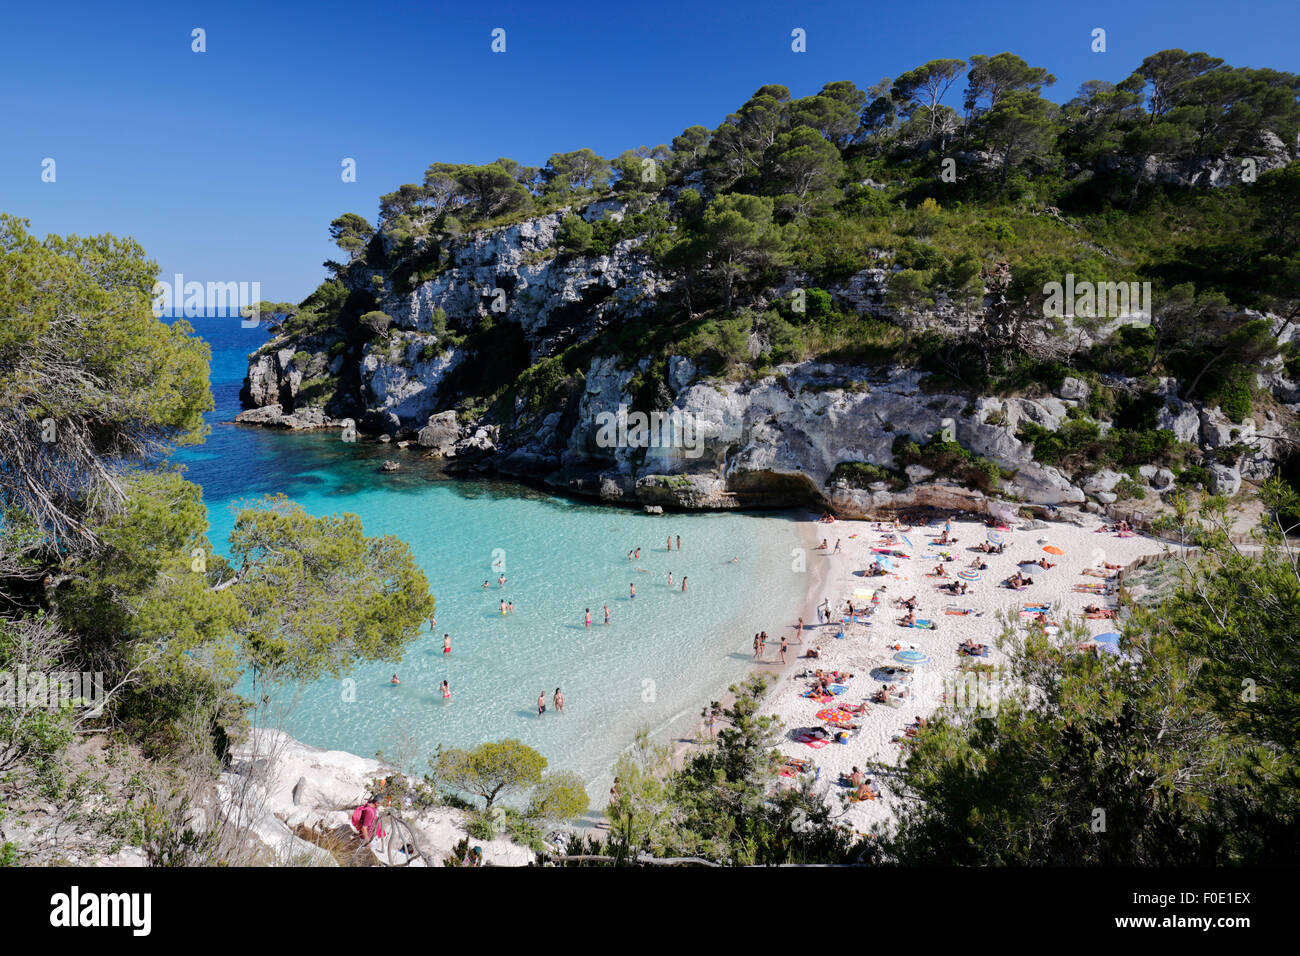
(866, 792)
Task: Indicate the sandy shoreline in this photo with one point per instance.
(869, 645)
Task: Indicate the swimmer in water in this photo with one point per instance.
(559, 700)
(606, 613)
(501, 581)
(734, 561)
(670, 542)
(541, 703)
(487, 584)
(394, 681)
(503, 607)
(683, 582)
(629, 555)
(679, 542)
(446, 691)
(633, 587)
(510, 606)
(446, 643)
(637, 552)
(670, 579)
(586, 621)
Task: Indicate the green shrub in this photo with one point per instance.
(862, 474)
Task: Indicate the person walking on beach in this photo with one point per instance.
(837, 546)
(587, 619)
(541, 703)
(762, 644)
(606, 613)
(785, 646)
(446, 691)
(446, 643)
(559, 701)
(757, 652)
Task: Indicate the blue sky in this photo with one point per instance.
(225, 165)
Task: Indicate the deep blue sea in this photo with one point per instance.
(662, 657)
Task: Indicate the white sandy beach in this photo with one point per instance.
(866, 647)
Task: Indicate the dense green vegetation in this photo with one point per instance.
(1183, 754)
(970, 212)
(105, 564)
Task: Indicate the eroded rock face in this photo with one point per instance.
(773, 441)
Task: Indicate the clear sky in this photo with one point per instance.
(225, 165)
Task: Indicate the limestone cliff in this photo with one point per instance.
(767, 441)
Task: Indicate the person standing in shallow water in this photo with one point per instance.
(670, 542)
(606, 613)
(446, 643)
(679, 542)
(670, 579)
(683, 580)
(559, 701)
(785, 646)
(587, 619)
(633, 587)
(446, 691)
(541, 703)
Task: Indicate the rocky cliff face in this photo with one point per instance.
(775, 441)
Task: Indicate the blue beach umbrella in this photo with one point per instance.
(912, 657)
(884, 562)
(1108, 638)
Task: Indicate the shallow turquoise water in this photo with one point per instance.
(663, 656)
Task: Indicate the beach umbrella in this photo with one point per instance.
(1108, 638)
(1053, 549)
(884, 561)
(995, 537)
(970, 574)
(912, 657)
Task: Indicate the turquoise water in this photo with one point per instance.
(663, 656)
